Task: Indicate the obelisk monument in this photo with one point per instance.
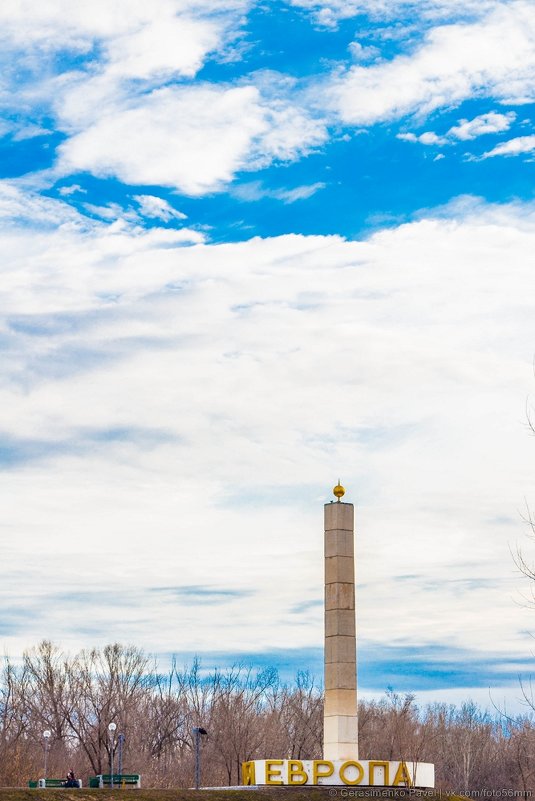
(340, 730)
(340, 766)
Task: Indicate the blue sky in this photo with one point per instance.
(249, 247)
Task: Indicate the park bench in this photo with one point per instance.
(119, 780)
(43, 783)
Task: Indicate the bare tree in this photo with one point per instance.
(247, 714)
(301, 718)
(104, 686)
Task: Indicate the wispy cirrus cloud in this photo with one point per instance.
(19, 452)
(172, 406)
(267, 363)
(201, 594)
(157, 207)
(254, 190)
(329, 13)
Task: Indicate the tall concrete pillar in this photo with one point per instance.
(340, 733)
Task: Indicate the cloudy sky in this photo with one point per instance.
(248, 248)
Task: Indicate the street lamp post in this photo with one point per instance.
(111, 731)
(120, 743)
(199, 732)
(47, 734)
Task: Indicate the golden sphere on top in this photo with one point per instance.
(339, 491)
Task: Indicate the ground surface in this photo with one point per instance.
(293, 793)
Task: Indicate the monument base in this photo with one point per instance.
(317, 772)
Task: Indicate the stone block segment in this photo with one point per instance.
(340, 711)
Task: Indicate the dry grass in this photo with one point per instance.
(287, 794)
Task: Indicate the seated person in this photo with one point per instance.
(71, 781)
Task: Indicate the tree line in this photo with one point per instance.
(247, 715)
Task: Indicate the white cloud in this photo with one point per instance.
(493, 57)
(407, 137)
(111, 211)
(31, 210)
(123, 111)
(65, 191)
(107, 57)
(186, 137)
(165, 46)
(29, 207)
(361, 53)
(151, 206)
(181, 404)
(513, 147)
(289, 132)
(430, 138)
(254, 190)
(328, 13)
(30, 131)
(493, 122)
(298, 192)
(169, 36)
(5, 127)
(426, 138)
